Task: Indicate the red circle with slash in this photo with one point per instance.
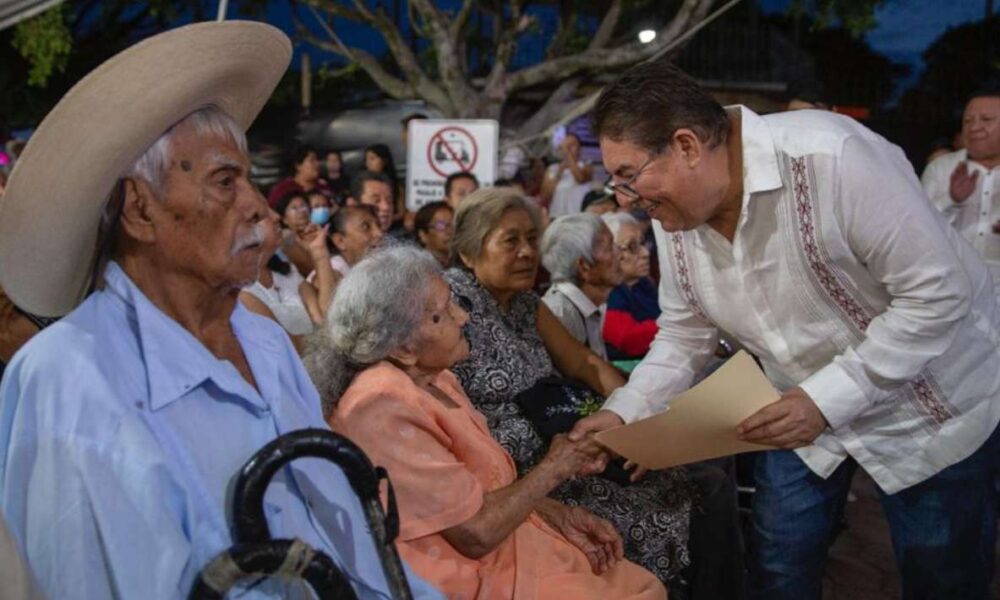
(459, 148)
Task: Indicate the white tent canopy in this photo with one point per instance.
(13, 12)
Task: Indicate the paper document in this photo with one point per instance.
(700, 423)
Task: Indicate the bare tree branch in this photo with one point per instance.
(455, 31)
(607, 27)
(505, 51)
(603, 60)
(334, 8)
(453, 91)
(454, 77)
(564, 29)
(689, 13)
(401, 52)
(420, 31)
(557, 103)
(417, 83)
(434, 18)
(394, 86)
(362, 8)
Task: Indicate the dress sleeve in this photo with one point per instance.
(434, 489)
(896, 234)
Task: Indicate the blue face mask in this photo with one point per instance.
(320, 215)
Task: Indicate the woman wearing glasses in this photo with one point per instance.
(433, 228)
(632, 307)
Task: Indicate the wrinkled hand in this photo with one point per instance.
(963, 183)
(594, 536)
(569, 458)
(793, 421)
(599, 421)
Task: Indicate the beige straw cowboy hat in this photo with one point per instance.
(51, 211)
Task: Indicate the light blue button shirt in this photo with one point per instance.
(120, 438)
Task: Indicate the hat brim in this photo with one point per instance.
(51, 210)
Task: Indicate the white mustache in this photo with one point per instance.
(254, 236)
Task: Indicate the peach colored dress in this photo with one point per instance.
(442, 460)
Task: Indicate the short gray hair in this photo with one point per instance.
(615, 220)
(377, 308)
(478, 215)
(566, 241)
(154, 163)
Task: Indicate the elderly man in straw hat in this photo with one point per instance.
(122, 425)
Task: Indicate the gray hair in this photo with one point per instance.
(377, 308)
(566, 241)
(615, 220)
(478, 215)
(154, 163)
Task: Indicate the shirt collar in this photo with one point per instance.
(577, 297)
(760, 160)
(176, 362)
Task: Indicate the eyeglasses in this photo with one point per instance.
(632, 247)
(625, 188)
(440, 225)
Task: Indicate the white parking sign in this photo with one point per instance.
(439, 148)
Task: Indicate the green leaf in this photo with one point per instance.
(45, 42)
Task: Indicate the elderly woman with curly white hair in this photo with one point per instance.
(468, 524)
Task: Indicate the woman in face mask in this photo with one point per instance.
(321, 209)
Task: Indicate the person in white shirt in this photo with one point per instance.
(281, 293)
(579, 253)
(965, 185)
(808, 238)
(567, 182)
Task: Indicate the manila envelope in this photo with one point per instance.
(700, 423)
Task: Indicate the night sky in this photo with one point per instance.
(907, 27)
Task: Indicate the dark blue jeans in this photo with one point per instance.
(943, 529)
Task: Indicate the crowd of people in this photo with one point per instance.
(472, 347)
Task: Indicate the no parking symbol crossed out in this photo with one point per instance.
(452, 149)
(438, 148)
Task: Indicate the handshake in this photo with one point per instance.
(578, 454)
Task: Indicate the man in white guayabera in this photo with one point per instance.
(808, 238)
